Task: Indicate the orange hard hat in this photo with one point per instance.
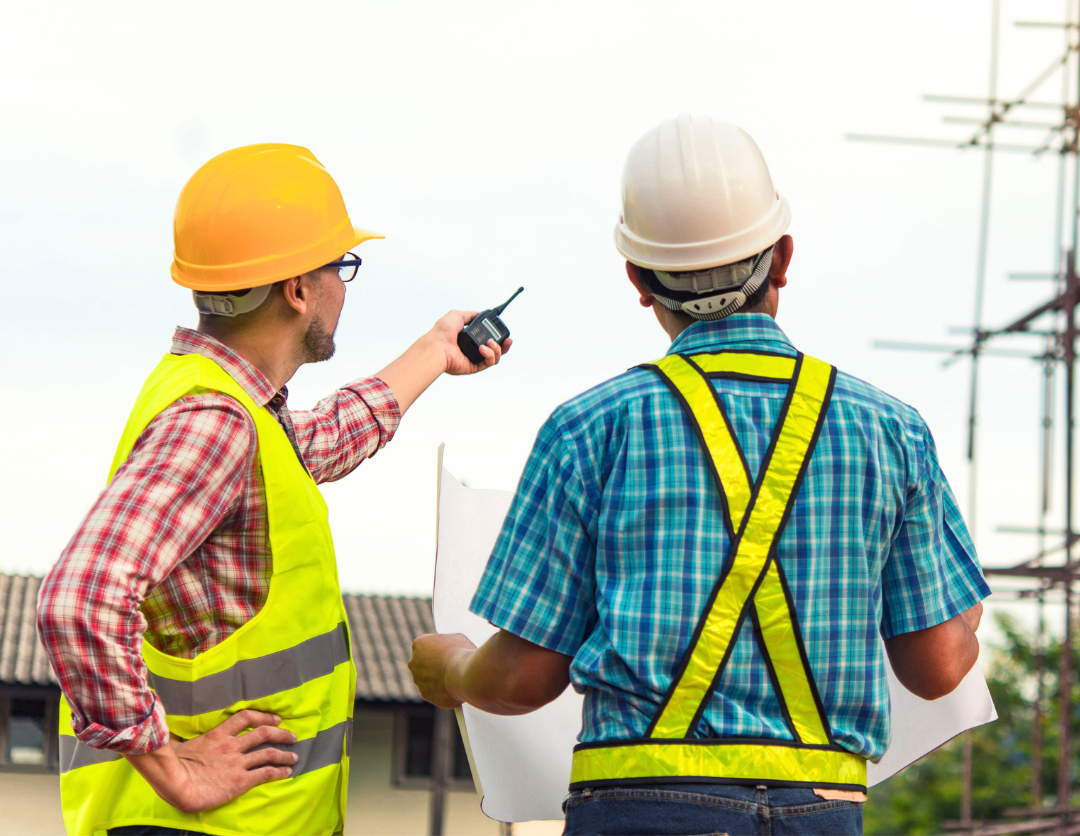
(256, 215)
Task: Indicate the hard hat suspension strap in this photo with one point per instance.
(710, 302)
(229, 304)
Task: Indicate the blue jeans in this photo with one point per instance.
(692, 809)
(150, 830)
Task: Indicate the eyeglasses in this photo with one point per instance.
(347, 267)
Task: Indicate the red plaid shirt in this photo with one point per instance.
(176, 549)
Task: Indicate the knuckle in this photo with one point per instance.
(267, 756)
(258, 735)
(283, 736)
(271, 773)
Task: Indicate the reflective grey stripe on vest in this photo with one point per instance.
(74, 753)
(252, 679)
(324, 749)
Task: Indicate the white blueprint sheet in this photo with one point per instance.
(522, 764)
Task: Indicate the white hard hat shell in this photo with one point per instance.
(697, 193)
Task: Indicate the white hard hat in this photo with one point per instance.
(696, 193)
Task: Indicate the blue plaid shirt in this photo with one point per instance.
(615, 538)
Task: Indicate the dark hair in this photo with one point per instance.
(757, 298)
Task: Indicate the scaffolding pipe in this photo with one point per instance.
(966, 803)
(1064, 783)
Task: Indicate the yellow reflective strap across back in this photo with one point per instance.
(750, 564)
(778, 625)
(594, 764)
(727, 462)
(770, 366)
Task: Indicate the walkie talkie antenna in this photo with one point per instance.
(502, 307)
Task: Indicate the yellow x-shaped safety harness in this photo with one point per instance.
(752, 585)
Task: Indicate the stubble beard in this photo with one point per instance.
(318, 343)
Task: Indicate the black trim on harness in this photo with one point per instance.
(732, 548)
(710, 741)
(702, 779)
(727, 422)
(754, 378)
(748, 606)
(752, 351)
(728, 525)
(826, 400)
(756, 490)
(759, 637)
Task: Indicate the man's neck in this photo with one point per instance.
(675, 325)
(269, 355)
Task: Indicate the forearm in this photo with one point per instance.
(346, 427)
(506, 675)
(434, 354)
(931, 663)
(158, 766)
(475, 678)
(414, 371)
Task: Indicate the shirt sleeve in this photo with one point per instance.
(539, 581)
(184, 474)
(346, 427)
(932, 572)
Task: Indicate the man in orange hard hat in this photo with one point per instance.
(195, 620)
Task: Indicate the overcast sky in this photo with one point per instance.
(486, 140)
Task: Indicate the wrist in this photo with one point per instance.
(434, 352)
(156, 766)
(454, 674)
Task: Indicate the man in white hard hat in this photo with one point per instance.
(709, 545)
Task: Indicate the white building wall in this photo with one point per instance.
(30, 804)
(378, 808)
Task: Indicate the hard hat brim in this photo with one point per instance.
(363, 235)
(676, 257)
(294, 268)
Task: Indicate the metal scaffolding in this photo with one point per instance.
(1048, 332)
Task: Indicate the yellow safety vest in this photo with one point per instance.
(292, 659)
(753, 586)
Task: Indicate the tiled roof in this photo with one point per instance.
(382, 632)
(22, 658)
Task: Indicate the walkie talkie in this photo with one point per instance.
(485, 326)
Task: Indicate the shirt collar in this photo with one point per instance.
(251, 380)
(745, 331)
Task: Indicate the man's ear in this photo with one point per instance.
(781, 258)
(299, 293)
(634, 273)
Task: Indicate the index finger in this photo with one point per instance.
(248, 719)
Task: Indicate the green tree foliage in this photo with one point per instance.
(925, 795)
